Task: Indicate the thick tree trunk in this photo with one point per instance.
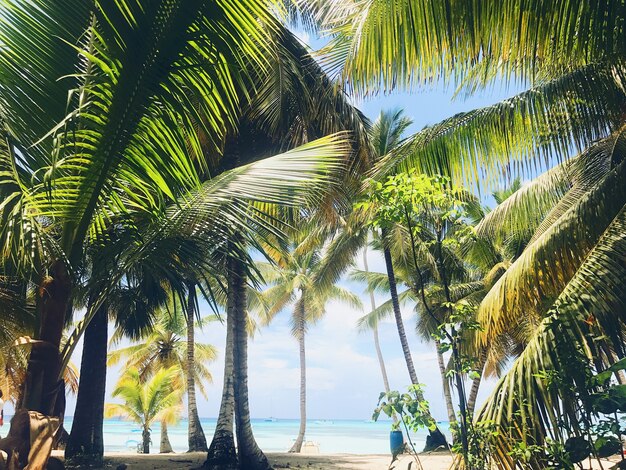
(297, 446)
(222, 454)
(435, 438)
(145, 438)
(195, 434)
(86, 438)
(447, 392)
(165, 447)
(251, 457)
(44, 365)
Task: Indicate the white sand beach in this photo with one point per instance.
(437, 461)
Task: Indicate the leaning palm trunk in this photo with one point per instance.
(195, 434)
(379, 352)
(297, 446)
(222, 453)
(435, 438)
(44, 365)
(251, 457)
(165, 447)
(476, 381)
(447, 393)
(86, 437)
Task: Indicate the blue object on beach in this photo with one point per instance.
(396, 442)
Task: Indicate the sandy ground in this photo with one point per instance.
(278, 461)
(438, 461)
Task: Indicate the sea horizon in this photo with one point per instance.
(273, 434)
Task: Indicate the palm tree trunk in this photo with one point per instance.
(195, 434)
(44, 364)
(86, 438)
(447, 393)
(145, 437)
(435, 437)
(251, 457)
(379, 352)
(222, 454)
(165, 447)
(297, 446)
(473, 395)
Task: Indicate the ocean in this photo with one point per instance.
(272, 435)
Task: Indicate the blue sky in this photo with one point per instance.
(343, 374)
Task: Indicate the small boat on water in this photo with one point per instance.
(323, 421)
(271, 419)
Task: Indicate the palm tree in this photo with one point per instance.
(370, 322)
(94, 149)
(195, 434)
(145, 401)
(573, 55)
(294, 104)
(293, 283)
(95, 163)
(165, 348)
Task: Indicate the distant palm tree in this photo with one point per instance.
(370, 322)
(166, 347)
(146, 401)
(293, 283)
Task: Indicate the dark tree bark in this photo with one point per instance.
(145, 440)
(86, 438)
(44, 364)
(195, 434)
(473, 395)
(251, 457)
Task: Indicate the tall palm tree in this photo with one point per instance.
(195, 434)
(74, 171)
(145, 401)
(386, 137)
(164, 348)
(293, 283)
(370, 322)
(573, 55)
(125, 94)
(294, 104)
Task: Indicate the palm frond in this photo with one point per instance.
(538, 276)
(588, 312)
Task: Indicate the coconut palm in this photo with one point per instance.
(92, 164)
(294, 104)
(293, 283)
(195, 434)
(145, 401)
(386, 139)
(573, 54)
(164, 348)
(124, 94)
(370, 322)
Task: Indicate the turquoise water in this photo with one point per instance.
(337, 436)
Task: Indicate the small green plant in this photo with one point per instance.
(412, 412)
